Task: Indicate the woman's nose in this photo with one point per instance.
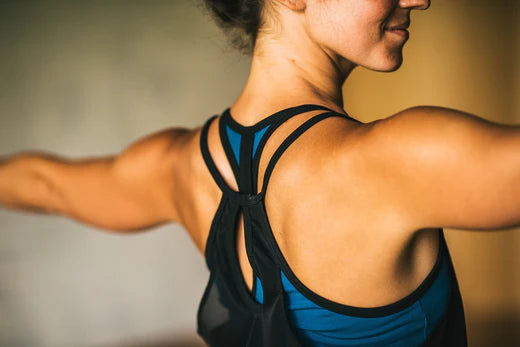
(415, 4)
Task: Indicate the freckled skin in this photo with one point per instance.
(354, 29)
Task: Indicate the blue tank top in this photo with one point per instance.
(410, 326)
(291, 314)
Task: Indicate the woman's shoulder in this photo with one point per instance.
(429, 134)
(433, 159)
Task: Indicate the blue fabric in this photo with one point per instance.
(234, 139)
(318, 326)
(434, 301)
(259, 292)
(258, 136)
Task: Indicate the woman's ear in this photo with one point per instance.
(295, 5)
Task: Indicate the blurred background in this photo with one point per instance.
(87, 78)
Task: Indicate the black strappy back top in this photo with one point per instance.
(229, 315)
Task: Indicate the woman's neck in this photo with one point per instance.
(284, 75)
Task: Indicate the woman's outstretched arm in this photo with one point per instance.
(447, 168)
(131, 191)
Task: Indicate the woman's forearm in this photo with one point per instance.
(22, 182)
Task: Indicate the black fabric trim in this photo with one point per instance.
(275, 117)
(247, 296)
(248, 237)
(228, 149)
(212, 231)
(209, 160)
(246, 150)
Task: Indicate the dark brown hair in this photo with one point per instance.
(239, 19)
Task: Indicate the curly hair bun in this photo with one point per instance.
(241, 19)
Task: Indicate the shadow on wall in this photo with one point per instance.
(172, 341)
(495, 330)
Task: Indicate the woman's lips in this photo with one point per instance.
(401, 32)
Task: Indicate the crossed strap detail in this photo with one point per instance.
(246, 172)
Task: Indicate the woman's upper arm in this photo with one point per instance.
(447, 168)
(128, 192)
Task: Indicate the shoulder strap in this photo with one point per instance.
(243, 145)
(252, 141)
(207, 156)
(290, 139)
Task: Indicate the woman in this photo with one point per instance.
(318, 229)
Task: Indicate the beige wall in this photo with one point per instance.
(516, 117)
(87, 78)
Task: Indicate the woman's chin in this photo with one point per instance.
(387, 65)
(393, 67)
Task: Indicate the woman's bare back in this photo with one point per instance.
(339, 238)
